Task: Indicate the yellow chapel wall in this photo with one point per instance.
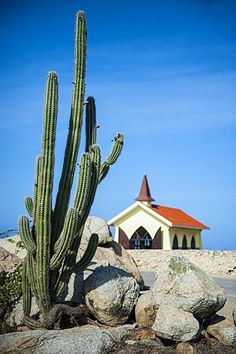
(130, 222)
(180, 232)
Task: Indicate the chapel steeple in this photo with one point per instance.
(144, 194)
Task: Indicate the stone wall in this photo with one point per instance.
(217, 263)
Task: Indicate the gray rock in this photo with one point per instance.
(184, 285)
(111, 254)
(115, 255)
(83, 340)
(96, 225)
(175, 324)
(110, 295)
(8, 261)
(223, 330)
(144, 311)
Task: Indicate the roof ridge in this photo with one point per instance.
(165, 206)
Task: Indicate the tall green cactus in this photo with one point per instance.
(53, 240)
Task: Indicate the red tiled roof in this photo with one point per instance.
(178, 217)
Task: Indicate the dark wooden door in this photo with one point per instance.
(123, 239)
(157, 241)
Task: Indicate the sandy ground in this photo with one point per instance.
(214, 263)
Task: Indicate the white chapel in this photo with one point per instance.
(144, 225)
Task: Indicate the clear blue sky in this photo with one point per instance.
(162, 72)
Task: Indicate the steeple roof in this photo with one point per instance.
(144, 194)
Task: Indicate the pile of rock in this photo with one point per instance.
(182, 302)
(179, 308)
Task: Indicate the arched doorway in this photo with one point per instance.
(141, 239)
(184, 243)
(193, 243)
(175, 243)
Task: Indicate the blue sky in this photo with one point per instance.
(163, 73)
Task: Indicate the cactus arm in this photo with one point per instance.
(82, 189)
(25, 234)
(112, 158)
(79, 266)
(38, 171)
(65, 238)
(105, 166)
(29, 205)
(70, 258)
(88, 254)
(26, 291)
(31, 269)
(75, 125)
(69, 262)
(116, 149)
(45, 197)
(96, 161)
(91, 126)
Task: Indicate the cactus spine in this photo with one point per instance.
(53, 240)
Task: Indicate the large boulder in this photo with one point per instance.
(84, 340)
(175, 324)
(185, 286)
(111, 254)
(110, 295)
(115, 255)
(96, 225)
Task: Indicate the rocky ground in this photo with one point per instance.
(214, 263)
(141, 341)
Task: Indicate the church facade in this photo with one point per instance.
(145, 225)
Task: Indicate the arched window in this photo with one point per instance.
(137, 242)
(175, 243)
(184, 243)
(146, 241)
(141, 239)
(193, 243)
